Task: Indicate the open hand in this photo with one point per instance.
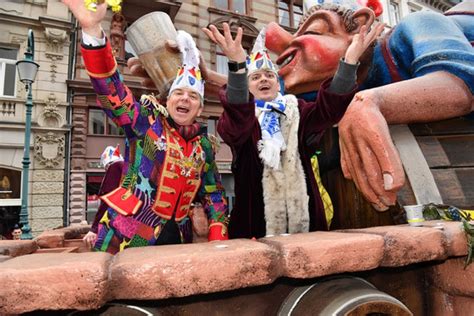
(89, 239)
(88, 20)
(231, 47)
(361, 41)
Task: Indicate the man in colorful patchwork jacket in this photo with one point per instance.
(267, 132)
(169, 162)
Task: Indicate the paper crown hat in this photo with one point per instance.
(110, 154)
(189, 74)
(259, 58)
(375, 5)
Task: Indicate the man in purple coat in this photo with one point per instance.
(268, 133)
(112, 161)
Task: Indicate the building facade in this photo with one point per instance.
(394, 10)
(51, 25)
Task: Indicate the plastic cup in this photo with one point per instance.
(414, 214)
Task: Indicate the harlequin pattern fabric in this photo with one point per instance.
(163, 172)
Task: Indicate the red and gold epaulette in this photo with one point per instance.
(99, 61)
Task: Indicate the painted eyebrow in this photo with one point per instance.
(318, 16)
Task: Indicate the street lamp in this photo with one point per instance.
(27, 70)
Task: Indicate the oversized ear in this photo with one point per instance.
(363, 16)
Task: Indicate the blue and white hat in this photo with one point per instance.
(189, 74)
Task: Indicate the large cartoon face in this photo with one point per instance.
(312, 55)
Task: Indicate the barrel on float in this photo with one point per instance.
(348, 296)
(351, 296)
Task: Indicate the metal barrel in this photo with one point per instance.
(348, 296)
(343, 295)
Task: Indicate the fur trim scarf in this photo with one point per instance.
(284, 190)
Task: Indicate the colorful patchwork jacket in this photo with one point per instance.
(163, 172)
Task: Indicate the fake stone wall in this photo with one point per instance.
(87, 280)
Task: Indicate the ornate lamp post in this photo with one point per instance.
(27, 70)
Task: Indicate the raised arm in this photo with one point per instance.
(335, 95)
(231, 47)
(113, 96)
(238, 120)
(90, 21)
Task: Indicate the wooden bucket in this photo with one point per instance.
(348, 296)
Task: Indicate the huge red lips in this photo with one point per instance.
(287, 61)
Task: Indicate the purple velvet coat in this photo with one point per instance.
(110, 182)
(240, 129)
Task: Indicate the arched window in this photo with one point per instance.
(250, 33)
(237, 6)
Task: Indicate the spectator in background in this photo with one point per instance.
(112, 161)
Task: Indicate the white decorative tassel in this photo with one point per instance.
(188, 48)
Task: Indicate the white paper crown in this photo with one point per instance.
(189, 74)
(259, 59)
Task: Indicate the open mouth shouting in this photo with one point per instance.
(182, 109)
(264, 87)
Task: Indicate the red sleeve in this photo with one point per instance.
(217, 231)
(99, 61)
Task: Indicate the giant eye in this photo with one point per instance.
(318, 26)
(312, 33)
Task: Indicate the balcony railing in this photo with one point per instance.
(8, 108)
